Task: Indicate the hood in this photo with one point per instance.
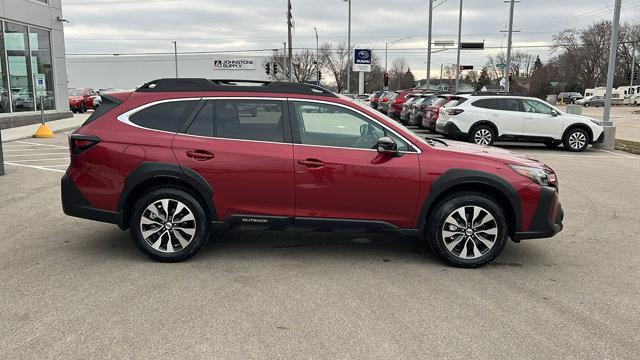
(493, 153)
(576, 118)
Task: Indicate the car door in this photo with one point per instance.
(240, 147)
(540, 121)
(507, 116)
(340, 175)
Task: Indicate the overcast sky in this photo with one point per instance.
(136, 26)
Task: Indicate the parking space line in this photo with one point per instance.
(38, 144)
(23, 155)
(615, 153)
(35, 167)
(36, 160)
(25, 150)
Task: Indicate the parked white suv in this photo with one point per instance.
(484, 118)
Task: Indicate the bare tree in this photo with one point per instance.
(399, 67)
(336, 60)
(304, 66)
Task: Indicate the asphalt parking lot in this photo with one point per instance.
(78, 289)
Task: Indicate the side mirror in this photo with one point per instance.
(554, 113)
(387, 146)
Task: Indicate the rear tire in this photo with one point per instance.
(467, 230)
(83, 109)
(482, 135)
(586, 104)
(576, 140)
(169, 224)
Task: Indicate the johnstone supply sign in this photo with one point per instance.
(362, 60)
(234, 64)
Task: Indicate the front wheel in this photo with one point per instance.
(168, 224)
(586, 104)
(576, 140)
(467, 230)
(83, 109)
(482, 135)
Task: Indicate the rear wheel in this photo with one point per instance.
(586, 104)
(467, 230)
(482, 135)
(576, 140)
(169, 224)
(83, 108)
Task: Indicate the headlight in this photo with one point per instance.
(540, 176)
(599, 123)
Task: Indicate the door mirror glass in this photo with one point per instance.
(387, 146)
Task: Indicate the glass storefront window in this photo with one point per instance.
(17, 49)
(4, 87)
(41, 64)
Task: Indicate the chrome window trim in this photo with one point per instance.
(125, 118)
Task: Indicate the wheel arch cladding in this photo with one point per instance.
(493, 186)
(484, 122)
(581, 126)
(151, 174)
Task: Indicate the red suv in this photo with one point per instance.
(82, 100)
(180, 159)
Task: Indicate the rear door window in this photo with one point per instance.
(259, 120)
(202, 124)
(506, 104)
(167, 116)
(486, 104)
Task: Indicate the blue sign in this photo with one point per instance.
(363, 56)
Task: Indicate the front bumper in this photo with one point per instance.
(547, 219)
(599, 140)
(74, 204)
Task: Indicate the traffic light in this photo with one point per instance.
(510, 76)
(275, 69)
(466, 67)
(386, 79)
(268, 68)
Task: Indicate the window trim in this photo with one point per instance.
(125, 117)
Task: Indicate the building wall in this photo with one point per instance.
(32, 12)
(129, 72)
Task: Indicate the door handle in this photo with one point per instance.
(311, 163)
(200, 155)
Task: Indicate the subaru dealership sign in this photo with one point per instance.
(362, 60)
(234, 64)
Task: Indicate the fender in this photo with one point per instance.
(455, 177)
(154, 170)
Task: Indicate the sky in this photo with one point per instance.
(255, 27)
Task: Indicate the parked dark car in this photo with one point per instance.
(419, 107)
(593, 101)
(406, 107)
(569, 97)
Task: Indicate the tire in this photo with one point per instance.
(576, 140)
(174, 243)
(82, 109)
(552, 144)
(586, 104)
(482, 135)
(472, 246)
(412, 121)
(74, 111)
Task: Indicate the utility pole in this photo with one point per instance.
(609, 129)
(508, 68)
(441, 68)
(349, 47)
(317, 58)
(633, 64)
(429, 44)
(459, 40)
(175, 53)
(289, 26)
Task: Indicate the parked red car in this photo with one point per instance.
(82, 100)
(395, 103)
(177, 160)
(432, 112)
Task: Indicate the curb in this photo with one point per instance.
(31, 136)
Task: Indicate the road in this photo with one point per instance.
(78, 289)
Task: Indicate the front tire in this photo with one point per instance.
(576, 140)
(482, 135)
(169, 224)
(586, 104)
(467, 230)
(83, 109)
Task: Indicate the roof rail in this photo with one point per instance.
(201, 84)
(494, 93)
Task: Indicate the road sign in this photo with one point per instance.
(362, 60)
(472, 45)
(554, 83)
(501, 66)
(41, 85)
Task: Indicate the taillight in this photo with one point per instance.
(79, 143)
(385, 99)
(398, 101)
(375, 99)
(454, 111)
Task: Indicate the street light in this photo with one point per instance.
(386, 54)
(349, 47)
(317, 57)
(175, 53)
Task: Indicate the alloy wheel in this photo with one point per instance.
(167, 225)
(482, 137)
(469, 232)
(577, 140)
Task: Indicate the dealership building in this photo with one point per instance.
(131, 71)
(32, 62)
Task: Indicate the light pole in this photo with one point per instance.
(317, 57)
(429, 44)
(349, 51)
(386, 55)
(175, 53)
(609, 129)
(459, 39)
(508, 68)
